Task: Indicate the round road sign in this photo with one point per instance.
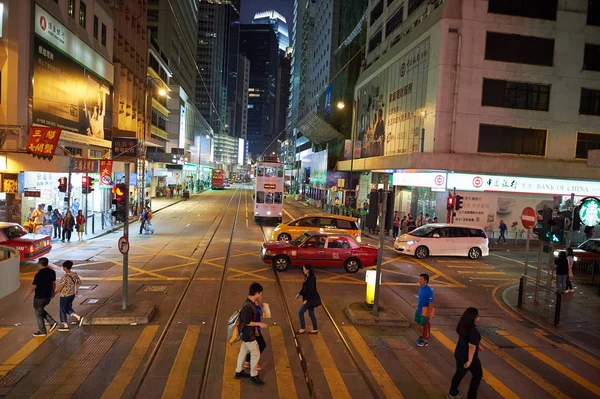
(123, 245)
(528, 218)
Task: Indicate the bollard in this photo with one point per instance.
(557, 309)
(521, 289)
(93, 222)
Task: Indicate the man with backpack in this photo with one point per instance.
(247, 329)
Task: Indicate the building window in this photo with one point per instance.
(593, 12)
(96, 154)
(82, 16)
(393, 23)
(501, 93)
(375, 41)
(511, 140)
(591, 57)
(376, 12)
(589, 103)
(71, 8)
(152, 15)
(519, 49)
(585, 143)
(96, 27)
(73, 151)
(541, 9)
(413, 5)
(103, 35)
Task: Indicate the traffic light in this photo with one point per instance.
(120, 212)
(450, 202)
(90, 184)
(576, 220)
(85, 185)
(62, 184)
(458, 202)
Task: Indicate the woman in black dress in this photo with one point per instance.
(310, 299)
(467, 354)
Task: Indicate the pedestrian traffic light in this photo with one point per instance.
(62, 184)
(458, 200)
(120, 212)
(450, 203)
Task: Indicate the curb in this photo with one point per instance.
(111, 314)
(388, 317)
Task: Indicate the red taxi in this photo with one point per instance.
(320, 250)
(30, 246)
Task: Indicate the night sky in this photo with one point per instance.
(284, 7)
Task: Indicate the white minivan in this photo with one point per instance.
(441, 239)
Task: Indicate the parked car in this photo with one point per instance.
(319, 222)
(320, 250)
(30, 246)
(442, 239)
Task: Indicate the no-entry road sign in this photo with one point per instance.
(123, 245)
(528, 218)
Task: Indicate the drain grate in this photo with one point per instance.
(88, 287)
(153, 289)
(94, 301)
(11, 379)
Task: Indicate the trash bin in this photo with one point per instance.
(186, 194)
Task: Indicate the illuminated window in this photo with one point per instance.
(82, 14)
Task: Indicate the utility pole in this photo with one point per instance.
(87, 179)
(69, 185)
(126, 235)
(382, 217)
(570, 231)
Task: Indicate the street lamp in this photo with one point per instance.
(341, 105)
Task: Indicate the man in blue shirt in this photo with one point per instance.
(424, 307)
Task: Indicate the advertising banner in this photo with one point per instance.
(106, 172)
(124, 147)
(68, 96)
(42, 141)
(85, 165)
(391, 108)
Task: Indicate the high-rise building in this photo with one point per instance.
(258, 43)
(282, 91)
(279, 25)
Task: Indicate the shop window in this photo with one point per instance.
(394, 22)
(501, 93)
(71, 8)
(82, 14)
(413, 5)
(541, 9)
(376, 12)
(585, 143)
(375, 40)
(589, 102)
(591, 57)
(519, 49)
(593, 12)
(511, 140)
(96, 27)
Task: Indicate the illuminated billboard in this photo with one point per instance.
(241, 148)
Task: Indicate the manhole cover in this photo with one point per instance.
(154, 289)
(12, 378)
(94, 301)
(88, 287)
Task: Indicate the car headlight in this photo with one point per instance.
(277, 228)
(555, 254)
(574, 258)
(411, 242)
(358, 239)
(263, 250)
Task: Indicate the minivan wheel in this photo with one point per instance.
(281, 263)
(474, 253)
(421, 252)
(284, 237)
(352, 265)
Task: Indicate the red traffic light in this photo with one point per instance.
(450, 201)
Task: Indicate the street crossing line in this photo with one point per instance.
(281, 363)
(231, 386)
(488, 377)
(22, 354)
(484, 273)
(551, 362)
(4, 331)
(526, 371)
(383, 379)
(436, 271)
(178, 376)
(568, 348)
(336, 384)
(123, 377)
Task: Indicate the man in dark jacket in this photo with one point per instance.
(247, 327)
(44, 285)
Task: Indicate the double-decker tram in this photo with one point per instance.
(268, 190)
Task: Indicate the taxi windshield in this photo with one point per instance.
(300, 239)
(13, 232)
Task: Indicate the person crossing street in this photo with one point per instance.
(424, 309)
(44, 285)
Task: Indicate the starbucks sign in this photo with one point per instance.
(589, 212)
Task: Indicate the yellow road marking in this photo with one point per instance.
(4, 331)
(475, 272)
(490, 273)
(497, 302)
(487, 285)
(240, 274)
(552, 363)
(526, 371)
(179, 372)
(568, 348)
(391, 260)
(336, 384)
(231, 386)
(460, 267)
(494, 278)
(426, 266)
(285, 380)
(22, 354)
(377, 371)
(488, 377)
(125, 374)
(258, 276)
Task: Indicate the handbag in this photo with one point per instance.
(426, 330)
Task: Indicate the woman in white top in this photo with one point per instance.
(571, 260)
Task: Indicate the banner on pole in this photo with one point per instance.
(106, 172)
(42, 141)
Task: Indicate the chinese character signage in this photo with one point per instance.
(42, 141)
(123, 147)
(106, 172)
(32, 193)
(84, 165)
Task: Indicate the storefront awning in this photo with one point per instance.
(317, 130)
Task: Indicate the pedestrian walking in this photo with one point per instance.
(39, 217)
(67, 226)
(247, 327)
(404, 225)
(424, 309)
(56, 219)
(396, 226)
(69, 284)
(43, 285)
(80, 225)
(143, 219)
(260, 339)
(562, 271)
(571, 261)
(420, 220)
(466, 354)
(503, 229)
(310, 299)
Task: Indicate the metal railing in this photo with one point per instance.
(541, 300)
(587, 271)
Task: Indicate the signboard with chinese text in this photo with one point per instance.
(124, 147)
(42, 141)
(32, 193)
(85, 165)
(106, 172)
